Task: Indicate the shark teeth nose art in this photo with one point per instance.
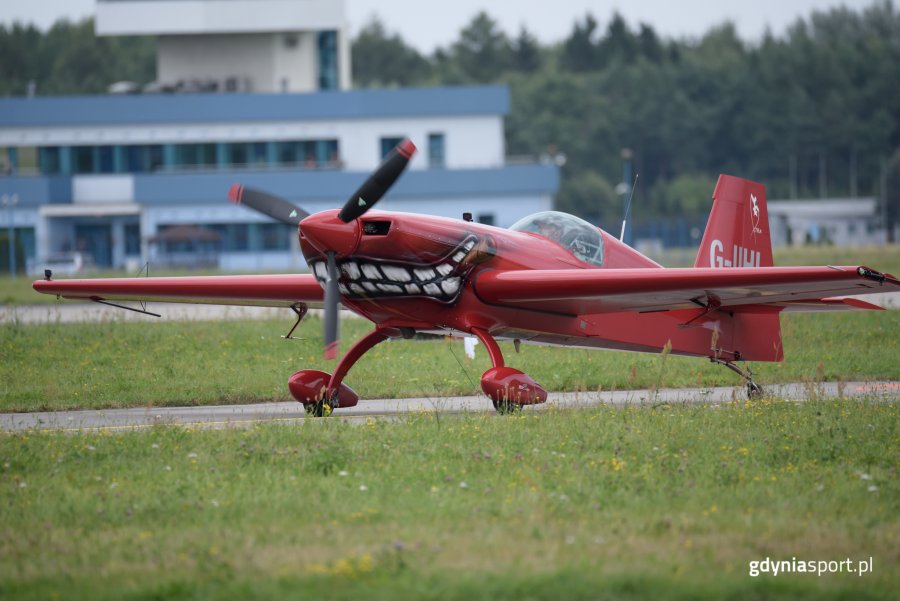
(373, 278)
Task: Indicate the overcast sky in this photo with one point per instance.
(430, 24)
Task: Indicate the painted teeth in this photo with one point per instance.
(390, 288)
(375, 279)
(444, 268)
(450, 285)
(371, 271)
(396, 274)
(351, 269)
(424, 275)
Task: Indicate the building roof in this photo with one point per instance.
(144, 109)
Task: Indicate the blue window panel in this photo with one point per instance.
(48, 160)
(328, 60)
(83, 159)
(105, 159)
(436, 151)
(258, 154)
(66, 160)
(221, 155)
(388, 143)
(170, 160)
(118, 159)
(132, 239)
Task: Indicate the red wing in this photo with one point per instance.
(586, 291)
(259, 290)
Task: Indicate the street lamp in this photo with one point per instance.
(10, 201)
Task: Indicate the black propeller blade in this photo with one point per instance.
(275, 207)
(378, 183)
(332, 298)
(362, 200)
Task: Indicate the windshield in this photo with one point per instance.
(576, 235)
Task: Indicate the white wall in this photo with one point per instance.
(102, 188)
(265, 60)
(162, 17)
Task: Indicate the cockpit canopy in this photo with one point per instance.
(575, 235)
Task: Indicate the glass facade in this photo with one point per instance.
(252, 237)
(147, 158)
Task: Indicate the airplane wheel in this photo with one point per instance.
(320, 409)
(754, 390)
(507, 407)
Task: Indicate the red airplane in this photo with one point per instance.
(551, 278)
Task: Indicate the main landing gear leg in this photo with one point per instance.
(508, 388)
(359, 349)
(321, 392)
(754, 390)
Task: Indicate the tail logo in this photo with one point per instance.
(740, 256)
(754, 214)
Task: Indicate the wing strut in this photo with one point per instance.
(300, 309)
(105, 302)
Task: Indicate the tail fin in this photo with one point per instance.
(737, 233)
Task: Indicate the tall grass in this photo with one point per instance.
(671, 502)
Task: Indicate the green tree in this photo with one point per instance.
(382, 59)
(579, 51)
(482, 52)
(589, 194)
(526, 52)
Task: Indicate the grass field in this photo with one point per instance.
(671, 502)
(116, 364)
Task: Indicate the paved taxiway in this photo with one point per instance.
(223, 416)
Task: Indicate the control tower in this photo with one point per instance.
(239, 45)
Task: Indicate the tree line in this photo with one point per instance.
(812, 112)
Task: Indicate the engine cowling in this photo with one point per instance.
(507, 384)
(309, 385)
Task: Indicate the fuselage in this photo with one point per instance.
(421, 272)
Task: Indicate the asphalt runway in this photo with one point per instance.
(225, 416)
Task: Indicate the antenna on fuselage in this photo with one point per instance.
(628, 209)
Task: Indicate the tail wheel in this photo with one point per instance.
(754, 390)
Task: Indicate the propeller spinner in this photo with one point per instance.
(369, 193)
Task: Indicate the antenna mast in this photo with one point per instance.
(628, 209)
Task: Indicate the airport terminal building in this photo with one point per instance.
(131, 178)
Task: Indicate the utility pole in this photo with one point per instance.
(10, 201)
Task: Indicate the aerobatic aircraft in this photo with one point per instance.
(551, 278)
